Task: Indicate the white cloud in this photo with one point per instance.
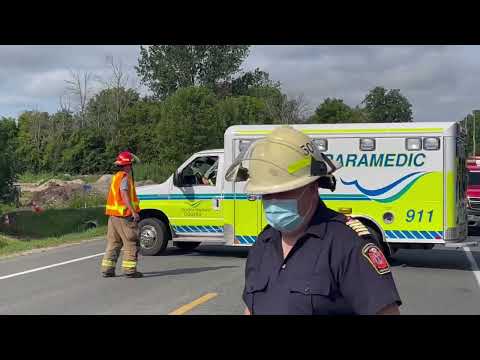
(440, 81)
(427, 75)
(13, 99)
(47, 84)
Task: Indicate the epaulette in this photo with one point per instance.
(357, 226)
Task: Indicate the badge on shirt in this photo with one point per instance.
(376, 258)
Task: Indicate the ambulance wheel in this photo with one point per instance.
(378, 241)
(186, 245)
(153, 236)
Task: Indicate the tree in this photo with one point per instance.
(166, 68)
(280, 108)
(86, 153)
(335, 111)
(250, 80)
(359, 115)
(468, 121)
(136, 130)
(332, 111)
(242, 110)
(188, 124)
(117, 94)
(33, 131)
(287, 111)
(387, 106)
(8, 164)
(79, 86)
(57, 141)
(106, 108)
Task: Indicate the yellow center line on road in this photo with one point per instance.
(187, 307)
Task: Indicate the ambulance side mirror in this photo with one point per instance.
(242, 174)
(177, 179)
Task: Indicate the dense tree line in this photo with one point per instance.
(196, 93)
(468, 123)
(8, 165)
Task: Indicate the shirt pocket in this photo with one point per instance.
(255, 290)
(310, 296)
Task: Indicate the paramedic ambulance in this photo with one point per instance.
(406, 182)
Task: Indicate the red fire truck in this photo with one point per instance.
(473, 192)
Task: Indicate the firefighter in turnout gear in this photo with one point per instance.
(122, 209)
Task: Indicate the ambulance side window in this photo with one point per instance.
(202, 171)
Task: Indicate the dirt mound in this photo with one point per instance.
(54, 183)
(103, 184)
(27, 187)
(105, 179)
(56, 192)
(77, 181)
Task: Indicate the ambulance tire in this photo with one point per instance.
(186, 245)
(156, 236)
(378, 241)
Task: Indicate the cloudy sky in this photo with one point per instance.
(439, 81)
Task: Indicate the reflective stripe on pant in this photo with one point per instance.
(106, 263)
(129, 264)
(121, 233)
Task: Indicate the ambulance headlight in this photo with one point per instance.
(431, 143)
(413, 144)
(367, 144)
(322, 144)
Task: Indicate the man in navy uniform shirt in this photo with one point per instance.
(310, 259)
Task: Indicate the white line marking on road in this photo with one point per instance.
(50, 266)
(473, 263)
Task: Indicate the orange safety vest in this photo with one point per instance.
(115, 205)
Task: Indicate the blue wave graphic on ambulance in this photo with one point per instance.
(390, 192)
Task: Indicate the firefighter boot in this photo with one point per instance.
(109, 273)
(134, 275)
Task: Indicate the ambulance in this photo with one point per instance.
(405, 181)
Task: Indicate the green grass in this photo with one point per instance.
(91, 200)
(43, 177)
(29, 177)
(10, 246)
(52, 222)
(155, 172)
(5, 208)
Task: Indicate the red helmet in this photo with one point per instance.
(125, 158)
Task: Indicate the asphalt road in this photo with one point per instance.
(208, 280)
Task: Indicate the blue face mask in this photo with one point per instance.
(283, 214)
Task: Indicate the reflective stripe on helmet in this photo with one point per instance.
(307, 161)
